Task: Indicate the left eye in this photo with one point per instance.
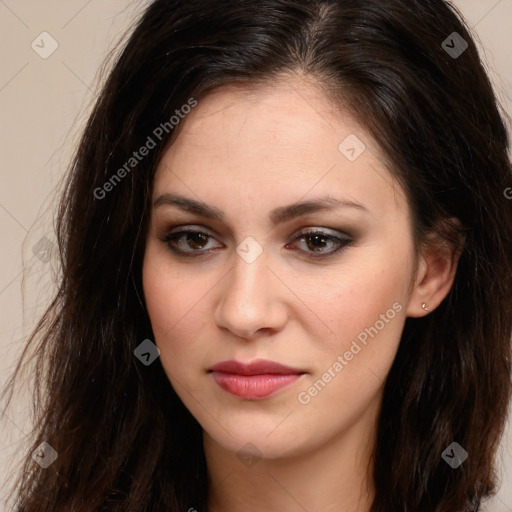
(317, 240)
(194, 243)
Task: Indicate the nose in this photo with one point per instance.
(252, 301)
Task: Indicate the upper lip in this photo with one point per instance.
(256, 367)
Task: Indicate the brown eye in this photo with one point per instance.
(316, 241)
(196, 240)
(188, 242)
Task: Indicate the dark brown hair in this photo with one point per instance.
(124, 439)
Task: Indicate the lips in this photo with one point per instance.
(256, 380)
(257, 367)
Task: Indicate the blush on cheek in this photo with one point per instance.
(163, 312)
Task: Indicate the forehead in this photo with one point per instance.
(285, 139)
(291, 110)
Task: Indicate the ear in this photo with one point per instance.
(437, 265)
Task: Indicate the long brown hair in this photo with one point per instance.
(123, 438)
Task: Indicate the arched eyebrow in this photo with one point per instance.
(277, 216)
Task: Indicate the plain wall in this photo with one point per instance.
(43, 104)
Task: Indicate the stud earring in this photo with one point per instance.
(424, 306)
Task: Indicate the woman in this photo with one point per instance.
(286, 272)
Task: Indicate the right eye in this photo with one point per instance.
(188, 242)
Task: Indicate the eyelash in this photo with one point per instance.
(173, 236)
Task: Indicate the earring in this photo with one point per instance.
(424, 306)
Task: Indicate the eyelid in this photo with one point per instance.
(200, 228)
(324, 230)
(340, 237)
(182, 230)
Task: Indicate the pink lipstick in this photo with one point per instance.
(256, 380)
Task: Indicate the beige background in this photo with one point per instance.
(43, 104)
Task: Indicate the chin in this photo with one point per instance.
(260, 442)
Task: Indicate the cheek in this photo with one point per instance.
(164, 308)
(169, 293)
(355, 300)
(176, 304)
(351, 366)
(365, 310)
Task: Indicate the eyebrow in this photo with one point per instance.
(277, 216)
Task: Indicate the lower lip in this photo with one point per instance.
(254, 387)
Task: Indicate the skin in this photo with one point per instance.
(246, 152)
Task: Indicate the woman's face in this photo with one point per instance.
(254, 285)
